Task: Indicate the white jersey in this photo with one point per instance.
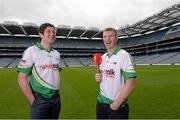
(43, 66)
(115, 70)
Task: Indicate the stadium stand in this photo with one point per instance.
(154, 40)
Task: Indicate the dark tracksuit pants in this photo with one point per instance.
(103, 111)
(44, 108)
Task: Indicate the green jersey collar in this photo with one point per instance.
(42, 48)
(114, 52)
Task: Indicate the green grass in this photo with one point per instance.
(157, 93)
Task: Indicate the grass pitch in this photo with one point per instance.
(157, 93)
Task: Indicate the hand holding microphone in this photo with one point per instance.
(97, 61)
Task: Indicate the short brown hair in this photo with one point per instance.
(44, 26)
(110, 29)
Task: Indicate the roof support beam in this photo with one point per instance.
(69, 33)
(82, 33)
(6, 29)
(23, 30)
(95, 34)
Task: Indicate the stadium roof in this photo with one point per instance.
(31, 29)
(163, 19)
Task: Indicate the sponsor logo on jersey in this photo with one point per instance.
(107, 61)
(23, 61)
(55, 67)
(49, 56)
(109, 73)
(113, 63)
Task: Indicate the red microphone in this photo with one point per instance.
(97, 61)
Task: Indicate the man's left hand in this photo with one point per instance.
(114, 106)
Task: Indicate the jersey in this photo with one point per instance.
(42, 67)
(115, 69)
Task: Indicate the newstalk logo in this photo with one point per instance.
(109, 73)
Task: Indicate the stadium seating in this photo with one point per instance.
(151, 48)
(78, 44)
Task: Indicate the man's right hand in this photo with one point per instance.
(25, 87)
(32, 101)
(98, 77)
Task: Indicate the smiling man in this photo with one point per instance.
(116, 79)
(39, 75)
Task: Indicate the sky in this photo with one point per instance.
(87, 13)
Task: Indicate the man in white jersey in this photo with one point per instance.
(116, 79)
(39, 77)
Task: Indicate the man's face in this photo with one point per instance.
(49, 35)
(110, 39)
